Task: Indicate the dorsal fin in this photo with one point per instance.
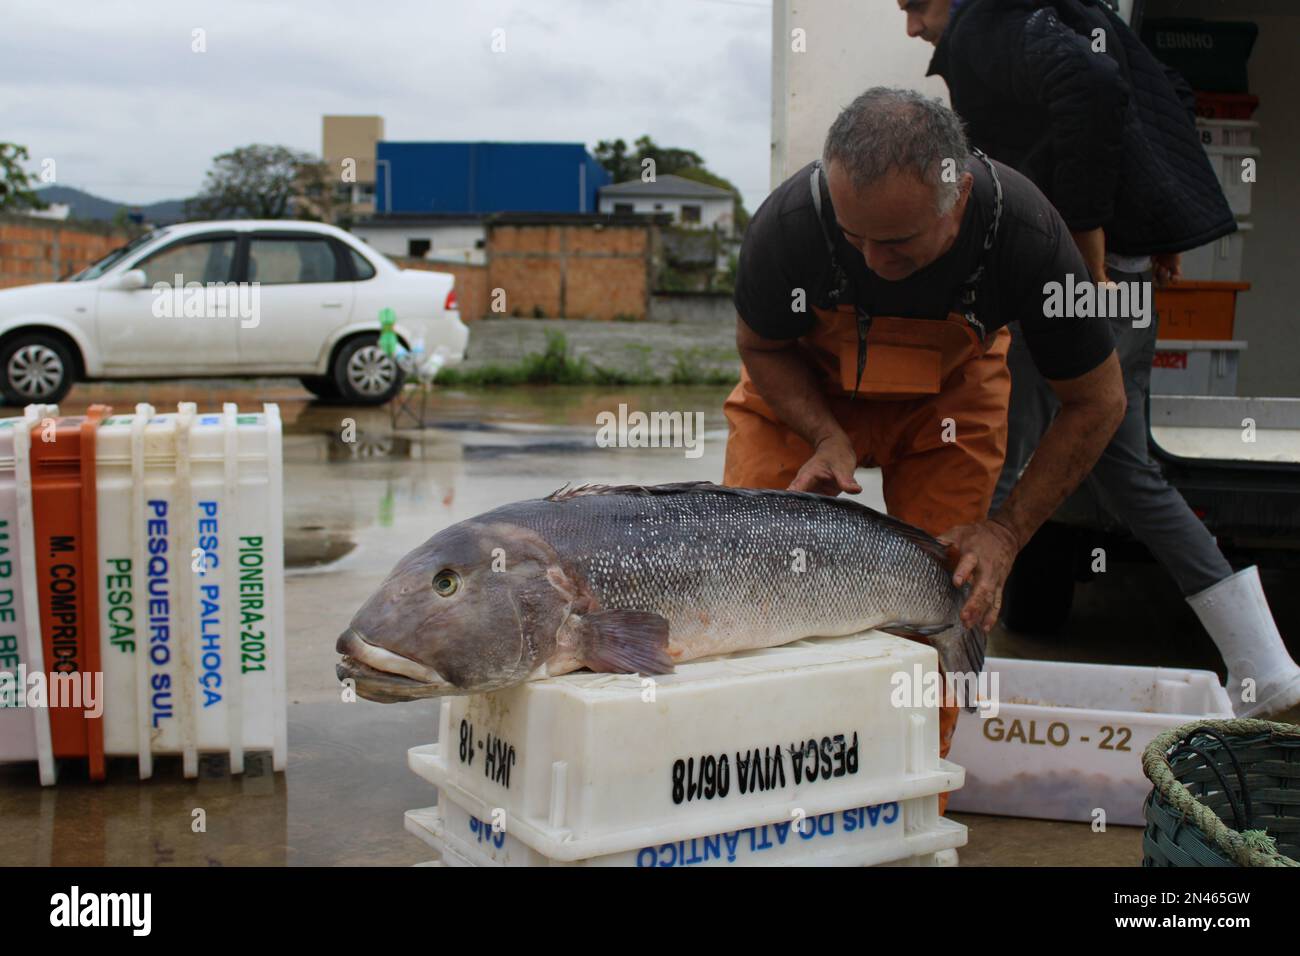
(925, 541)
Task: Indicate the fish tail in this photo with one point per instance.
(961, 654)
(961, 659)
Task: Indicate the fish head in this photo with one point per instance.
(475, 608)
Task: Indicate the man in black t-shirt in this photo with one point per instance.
(1066, 93)
(922, 252)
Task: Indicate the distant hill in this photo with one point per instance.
(86, 206)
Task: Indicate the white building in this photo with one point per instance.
(450, 238)
(691, 204)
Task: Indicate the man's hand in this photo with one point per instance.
(1167, 267)
(830, 469)
(1092, 246)
(986, 551)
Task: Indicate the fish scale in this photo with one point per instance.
(720, 565)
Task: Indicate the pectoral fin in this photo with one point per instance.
(625, 642)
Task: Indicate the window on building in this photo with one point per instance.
(365, 192)
(659, 207)
(622, 209)
(343, 192)
(277, 260)
(691, 213)
(418, 248)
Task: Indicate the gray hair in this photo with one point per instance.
(885, 129)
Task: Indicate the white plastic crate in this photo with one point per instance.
(909, 833)
(588, 765)
(1196, 366)
(1068, 738)
(190, 549)
(24, 732)
(1220, 261)
(1226, 132)
(190, 579)
(1229, 164)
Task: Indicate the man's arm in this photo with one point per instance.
(1092, 407)
(790, 387)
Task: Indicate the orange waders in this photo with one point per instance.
(931, 413)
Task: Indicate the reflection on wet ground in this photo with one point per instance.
(339, 803)
(358, 496)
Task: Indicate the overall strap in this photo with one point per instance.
(968, 288)
(843, 291)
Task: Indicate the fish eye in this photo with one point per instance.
(446, 582)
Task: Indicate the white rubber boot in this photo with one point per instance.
(1236, 614)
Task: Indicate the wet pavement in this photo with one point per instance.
(359, 495)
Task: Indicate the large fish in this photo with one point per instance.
(638, 578)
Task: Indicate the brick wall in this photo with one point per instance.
(36, 250)
(471, 283)
(571, 271)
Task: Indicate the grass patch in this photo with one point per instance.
(555, 366)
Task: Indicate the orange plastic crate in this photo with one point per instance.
(1198, 310)
(63, 504)
(1237, 106)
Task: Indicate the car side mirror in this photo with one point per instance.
(131, 280)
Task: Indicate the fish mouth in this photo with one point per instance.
(384, 676)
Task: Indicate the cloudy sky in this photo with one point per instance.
(114, 93)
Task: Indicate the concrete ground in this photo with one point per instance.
(353, 509)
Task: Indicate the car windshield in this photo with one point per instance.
(98, 268)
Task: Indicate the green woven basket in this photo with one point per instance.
(1227, 793)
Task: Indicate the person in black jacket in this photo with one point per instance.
(1064, 92)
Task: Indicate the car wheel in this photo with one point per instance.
(322, 386)
(364, 374)
(35, 367)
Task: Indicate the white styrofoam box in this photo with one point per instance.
(1229, 166)
(1068, 738)
(1220, 260)
(909, 832)
(1226, 132)
(19, 733)
(1195, 366)
(587, 765)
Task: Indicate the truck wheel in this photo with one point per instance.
(322, 386)
(364, 374)
(1040, 588)
(35, 367)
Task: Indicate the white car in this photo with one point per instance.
(222, 298)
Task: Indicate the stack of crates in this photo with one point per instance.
(141, 573)
(1197, 354)
(800, 754)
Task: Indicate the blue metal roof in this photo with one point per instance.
(486, 177)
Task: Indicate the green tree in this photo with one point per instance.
(612, 154)
(15, 185)
(668, 161)
(263, 182)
